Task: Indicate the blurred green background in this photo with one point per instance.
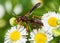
(21, 7)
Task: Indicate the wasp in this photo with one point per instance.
(34, 22)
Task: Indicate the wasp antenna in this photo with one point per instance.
(36, 6)
(13, 13)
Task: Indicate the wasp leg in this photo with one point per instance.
(27, 28)
(21, 24)
(36, 16)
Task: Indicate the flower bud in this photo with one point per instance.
(58, 22)
(56, 32)
(13, 21)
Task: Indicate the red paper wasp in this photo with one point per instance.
(24, 20)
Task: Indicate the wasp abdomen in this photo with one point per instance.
(37, 21)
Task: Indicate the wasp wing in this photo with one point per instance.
(36, 6)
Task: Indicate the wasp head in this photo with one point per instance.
(18, 19)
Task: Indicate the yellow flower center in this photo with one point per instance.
(52, 21)
(15, 35)
(40, 38)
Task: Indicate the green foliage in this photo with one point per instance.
(55, 40)
(48, 5)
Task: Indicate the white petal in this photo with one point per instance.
(32, 35)
(7, 41)
(49, 39)
(35, 31)
(7, 34)
(8, 6)
(44, 29)
(6, 38)
(21, 28)
(31, 39)
(12, 29)
(18, 9)
(2, 11)
(22, 40)
(23, 32)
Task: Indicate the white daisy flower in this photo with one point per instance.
(2, 11)
(8, 6)
(40, 37)
(18, 9)
(50, 21)
(16, 36)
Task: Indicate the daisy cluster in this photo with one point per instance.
(51, 21)
(51, 28)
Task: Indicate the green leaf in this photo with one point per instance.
(27, 41)
(2, 1)
(55, 40)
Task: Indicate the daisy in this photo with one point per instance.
(8, 6)
(40, 37)
(15, 36)
(50, 21)
(2, 11)
(18, 9)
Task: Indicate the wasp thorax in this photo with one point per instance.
(25, 18)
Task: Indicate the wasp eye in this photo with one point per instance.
(18, 19)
